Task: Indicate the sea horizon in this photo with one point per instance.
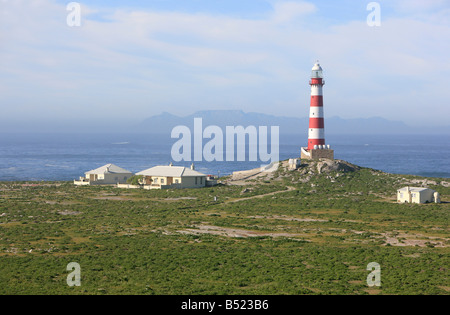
(67, 156)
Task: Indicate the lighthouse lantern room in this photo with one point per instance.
(316, 148)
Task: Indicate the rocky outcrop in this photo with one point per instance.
(327, 166)
(307, 170)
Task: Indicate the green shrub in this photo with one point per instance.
(134, 180)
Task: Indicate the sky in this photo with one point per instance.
(129, 60)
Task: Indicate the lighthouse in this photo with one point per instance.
(316, 148)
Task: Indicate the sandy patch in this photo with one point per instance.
(120, 198)
(373, 291)
(444, 288)
(286, 218)
(67, 212)
(231, 232)
(65, 203)
(414, 240)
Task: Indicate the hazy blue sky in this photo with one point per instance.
(133, 59)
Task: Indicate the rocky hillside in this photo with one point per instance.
(333, 175)
(307, 169)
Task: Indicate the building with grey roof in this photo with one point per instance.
(165, 177)
(108, 174)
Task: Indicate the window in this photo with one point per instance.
(176, 181)
(162, 180)
(156, 181)
(201, 180)
(196, 181)
(125, 178)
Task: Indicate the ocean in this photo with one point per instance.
(52, 156)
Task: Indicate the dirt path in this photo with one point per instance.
(290, 188)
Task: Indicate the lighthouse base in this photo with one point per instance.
(315, 154)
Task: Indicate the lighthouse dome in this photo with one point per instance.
(317, 67)
(317, 71)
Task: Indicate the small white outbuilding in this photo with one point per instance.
(417, 195)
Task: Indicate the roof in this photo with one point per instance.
(170, 171)
(109, 169)
(415, 189)
(317, 67)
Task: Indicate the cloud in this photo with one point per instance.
(420, 5)
(134, 62)
(288, 11)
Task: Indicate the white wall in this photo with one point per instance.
(415, 196)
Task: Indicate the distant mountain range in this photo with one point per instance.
(165, 122)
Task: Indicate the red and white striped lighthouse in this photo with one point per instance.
(316, 134)
(316, 148)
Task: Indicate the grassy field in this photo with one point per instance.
(300, 232)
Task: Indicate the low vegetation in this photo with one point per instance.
(308, 231)
(134, 180)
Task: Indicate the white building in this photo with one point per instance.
(108, 174)
(417, 195)
(294, 164)
(165, 177)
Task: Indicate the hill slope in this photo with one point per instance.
(309, 231)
